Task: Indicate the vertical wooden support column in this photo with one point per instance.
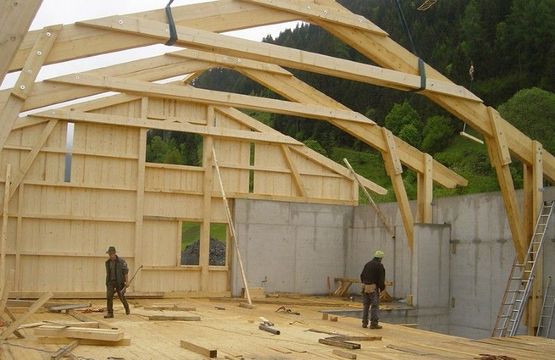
(533, 199)
(25, 82)
(394, 170)
(207, 163)
(4, 233)
(425, 190)
(139, 211)
(501, 158)
(19, 238)
(15, 19)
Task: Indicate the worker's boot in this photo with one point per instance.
(127, 311)
(375, 326)
(109, 315)
(365, 325)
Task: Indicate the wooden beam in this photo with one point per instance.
(296, 176)
(295, 90)
(139, 210)
(18, 239)
(211, 97)
(231, 227)
(506, 185)
(399, 187)
(5, 290)
(10, 315)
(303, 150)
(79, 333)
(298, 59)
(30, 157)
(15, 19)
(207, 187)
(4, 233)
(314, 10)
(210, 353)
(232, 62)
(14, 325)
(424, 195)
(241, 135)
(219, 16)
(385, 52)
(533, 200)
(10, 112)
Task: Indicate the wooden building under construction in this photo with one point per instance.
(76, 179)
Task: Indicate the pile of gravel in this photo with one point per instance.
(190, 255)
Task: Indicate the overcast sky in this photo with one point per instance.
(69, 11)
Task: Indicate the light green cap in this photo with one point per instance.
(379, 254)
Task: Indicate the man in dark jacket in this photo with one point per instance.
(116, 280)
(373, 281)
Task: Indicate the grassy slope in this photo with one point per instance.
(466, 157)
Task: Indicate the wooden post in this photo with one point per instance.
(425, 192)
(4, 233)
(231, 227)
(139, 211)
(204, 250)
(533, 199)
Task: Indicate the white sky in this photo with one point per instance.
(69, 11)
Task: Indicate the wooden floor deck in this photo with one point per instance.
(233, 331)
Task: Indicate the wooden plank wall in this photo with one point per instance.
(58, 231)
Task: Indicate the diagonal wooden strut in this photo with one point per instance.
(231, 226)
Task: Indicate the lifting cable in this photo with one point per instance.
(171, 24)
(421, 64)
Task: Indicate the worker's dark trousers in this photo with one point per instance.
(370, 301)
(110, 290)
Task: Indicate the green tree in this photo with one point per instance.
(532, 111)
(410, 134)
(401, 115)
(436, 134)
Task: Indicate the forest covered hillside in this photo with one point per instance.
(510, 45)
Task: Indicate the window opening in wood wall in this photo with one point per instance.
(218, 244)
(251, 171)
(190, 243)
(173, 147)
(69, 151)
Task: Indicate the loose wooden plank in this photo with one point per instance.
(211, 353)
(13, 326)
(174, 317)
(170, 307)
(65, 340)
(79, 333)
(339, 343)
(85, 318)
(344, 354)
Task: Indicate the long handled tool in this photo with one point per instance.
(130, 281)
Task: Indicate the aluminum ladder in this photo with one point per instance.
(546, 316)
(521, 279)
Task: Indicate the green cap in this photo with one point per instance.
(379, 254)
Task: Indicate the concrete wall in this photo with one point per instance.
(291, 247)
(459, 267)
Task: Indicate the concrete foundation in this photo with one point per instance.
(456, 273)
